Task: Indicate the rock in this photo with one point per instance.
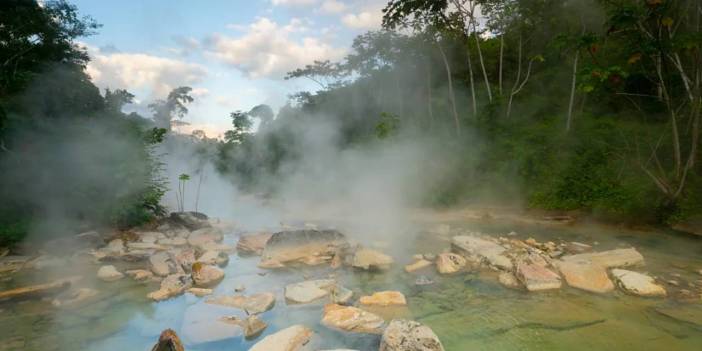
(351, 319)
(253, 325)
(293, 338)
(340, 295)
(449, 263)
(168, 341)
(200, 292)
(406, 335)
(308, 291)
(205, 275)
(490, 251)
(585, 275)
(384, 298)
(420, 264)
(637, 283)
(423, 280)
(109, 273)
(144, 246)
(254, 304)
(162, 264)
(184, 258)
(113, 250)
(239, 288)
(39, 290)
(75, 298)
(307, 247)
(176, 241)
(139, 274)
(205, 238)
(536, 277)
(203, 323)
(576, 247)
(214, 258)
(191, 220)
(370, 259)
(507, 279)
(252, 244)
(610, 259)
(429, 257)
(531, 242)
(172, 285)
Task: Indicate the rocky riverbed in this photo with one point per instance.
(456, 286)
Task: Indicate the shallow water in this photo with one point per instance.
(468, 312)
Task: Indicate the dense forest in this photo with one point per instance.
(589, 105)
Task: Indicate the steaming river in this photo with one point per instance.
(468, 312)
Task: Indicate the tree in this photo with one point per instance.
(175, 106)
(264, 113)
(241, 123)
(115, 100)
(323, 73)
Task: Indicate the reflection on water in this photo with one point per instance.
(468, 312)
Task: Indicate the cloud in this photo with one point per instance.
(293, 2)
(268, 49)
(367, 19)
(333, 6)
(142, 72)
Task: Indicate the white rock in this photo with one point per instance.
(109, 273)
(638, 283)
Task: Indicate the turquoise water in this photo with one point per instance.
(468, 312)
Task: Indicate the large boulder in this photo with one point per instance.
(168, 341)
(191, 220)
(172, 285)
(407, 335)
(537, 277)
(585, 275)
(307, 247)
(352, 319)
(254, 304)
(609, 259)
(109, 274)
(370, 259)
(308, 291)
(214, 258)
(205, 275)
(384, 298)
(293, 338)
(638, 283)
(486, 249)
(449, 263)
(252, 244)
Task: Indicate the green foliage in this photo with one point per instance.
(387, 126)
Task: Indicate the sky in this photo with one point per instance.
(233, 53)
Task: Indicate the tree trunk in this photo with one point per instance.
(472, 84)
(519, 76)
(482, 64)
(452, 96)
(502, 51)
(569, 119)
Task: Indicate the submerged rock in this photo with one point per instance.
(308, 247)
(407, 335)
(384, 298)
(205, 275)
(254, 304)
(253, 326)
(308, 291)
(293, 338)
(490, 251)
(168, 341)
(352, 319)
(203, 323)
(417, 265)
(340, 295)
(75, 298)
(172, 285)
(536, 277)
(638, 283)
(252, 244)
(39, 290)
(507, 279)
(109, 273)
(449, 263)
(585, 275)
(370, 259)
(609, 259)
(423, 280)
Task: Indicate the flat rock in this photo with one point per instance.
(575, 247)
(200, 292)
(162, 264)
(306, 247)
(490, 251)
(536, 277)
(202, 238)
(610, 259)
(254, 304)
(214, 258)
(252, 244)
(407, 335)
(449, 263)
(253, 325)
(206, 275)
(370, 259)
(172, 285)
(384, 298)
(351, 319)
(340, 295)
(109, 273)
(139, 274)
(308, 291)
(585, 275)
(293, 338)
(417, 265)
(508, 280)
(638, 283)
(175, 241)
